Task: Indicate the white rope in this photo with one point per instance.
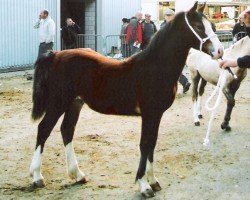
(219, 89)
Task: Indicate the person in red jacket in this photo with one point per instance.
(134, 34)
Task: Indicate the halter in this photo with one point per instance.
(202, 40)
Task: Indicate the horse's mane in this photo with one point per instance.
(158, 39)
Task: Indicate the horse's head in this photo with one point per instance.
(201, 34)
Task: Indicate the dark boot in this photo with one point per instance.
(184, 82)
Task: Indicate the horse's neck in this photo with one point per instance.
(239, 49)
(176, 56)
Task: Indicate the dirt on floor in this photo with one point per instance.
(107, 149)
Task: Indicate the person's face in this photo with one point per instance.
(246, 19)
(42, 15)
(148, 18)
(139, 16)
(169, 17)
(69, 22)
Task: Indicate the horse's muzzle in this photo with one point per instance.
(217, 53)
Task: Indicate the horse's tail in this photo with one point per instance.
(40, 85)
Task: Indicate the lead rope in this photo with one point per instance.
(219, 88)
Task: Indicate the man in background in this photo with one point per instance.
(69, 34)
(168, 16)
(134, 34)
(148, 30)
(242, 62)
(46, 27)
(239, 30)
(124, 46)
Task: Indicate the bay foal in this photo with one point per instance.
(144, 84)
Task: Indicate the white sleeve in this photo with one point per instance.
(51, 35)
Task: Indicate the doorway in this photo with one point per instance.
(74, 9)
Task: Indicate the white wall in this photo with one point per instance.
(18, 39)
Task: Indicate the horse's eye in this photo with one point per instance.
(199, 27)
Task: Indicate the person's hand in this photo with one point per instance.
(228, 63)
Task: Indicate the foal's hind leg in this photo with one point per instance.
(150, 125)
(67, 129)
(199, 99)
(44, 129)
(195, 76)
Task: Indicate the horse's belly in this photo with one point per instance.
(116, 110)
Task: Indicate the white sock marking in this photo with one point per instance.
(35, 167)
(73, 169)
(150, 173)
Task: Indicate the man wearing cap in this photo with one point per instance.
(46, 27)
(148, 30)
(169, 15)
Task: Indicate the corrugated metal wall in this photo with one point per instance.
(18, 39)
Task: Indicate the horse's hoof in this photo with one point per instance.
(156, 187)
(83, 181)
(200, 116)
(225, 127)
(148, 193)
(197, 123)
(39, 184)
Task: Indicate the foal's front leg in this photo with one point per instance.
(230, 104)
(150, 126)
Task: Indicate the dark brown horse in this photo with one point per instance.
(144, 84)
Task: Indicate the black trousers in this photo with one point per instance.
(70, 46)
(44, 48)
(183, 80)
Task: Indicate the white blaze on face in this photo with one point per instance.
(218, 47)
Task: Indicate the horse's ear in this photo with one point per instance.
(194, 8)
(202, 8)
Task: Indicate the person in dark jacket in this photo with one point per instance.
(242, 62)
(239, 30)
(69, 34)
(148, 30)
(124, 46)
